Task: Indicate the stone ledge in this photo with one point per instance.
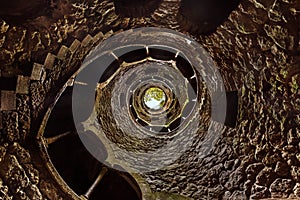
(22, 85)
(8, 100)
(36, 73)
(49, 62)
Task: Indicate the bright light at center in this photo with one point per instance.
(154, 98)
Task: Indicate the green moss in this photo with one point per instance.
(155, 98)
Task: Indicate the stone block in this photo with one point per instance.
(63, 52)
(36, 72)
(49, 62)
(75, 45)
(8, 100)
(87, 40)
(22, 85)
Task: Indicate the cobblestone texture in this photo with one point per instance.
(20, 179)
(257, 51)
